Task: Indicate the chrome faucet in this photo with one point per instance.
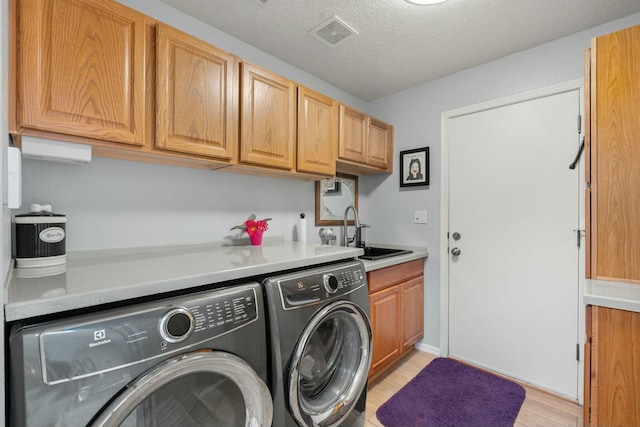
(358, 236)
(345, 235)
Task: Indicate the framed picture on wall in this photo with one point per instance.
(414, 167)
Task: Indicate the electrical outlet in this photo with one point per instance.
(420, 217)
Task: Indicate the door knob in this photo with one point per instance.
(456, 251)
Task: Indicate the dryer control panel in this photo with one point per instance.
(121, 337)
(319, 285)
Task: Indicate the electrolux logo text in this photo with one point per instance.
(100, 338)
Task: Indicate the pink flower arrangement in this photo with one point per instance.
(252, 225)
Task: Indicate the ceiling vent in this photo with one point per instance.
(333, 31)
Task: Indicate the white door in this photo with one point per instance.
(513, 288)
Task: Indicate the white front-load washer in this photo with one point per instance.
(187, 361)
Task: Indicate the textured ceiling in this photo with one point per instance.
(400, 45)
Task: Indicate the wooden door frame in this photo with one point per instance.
(569, 86)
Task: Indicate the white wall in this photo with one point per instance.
(114, 203)
(416, 115)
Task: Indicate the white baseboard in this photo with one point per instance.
(428, 348)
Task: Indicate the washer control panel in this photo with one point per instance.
(124, 336)
(321, 284)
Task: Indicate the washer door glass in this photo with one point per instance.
(200, 389)
(330, 365)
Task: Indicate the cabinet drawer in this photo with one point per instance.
(385, 277)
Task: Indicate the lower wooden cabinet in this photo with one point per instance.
(385, 311)
(612, 368)
(412, 311)
(396, 312)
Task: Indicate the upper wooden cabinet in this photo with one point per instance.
(317, 132)
(354, 128)
(270, 117)
(366, 144)
(380, 147)
(78, 69)
(196, 96)
(99, 73)
(613, 149)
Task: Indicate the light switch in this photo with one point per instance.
(420, 217)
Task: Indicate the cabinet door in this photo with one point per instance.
(268, 118)
(380, 148)
(386, 324)
(81, 69)
(196, 97)
(353, 135)
(615, 367)
(616, 184)
(412, 312)
(317, 132)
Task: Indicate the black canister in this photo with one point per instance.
(40, 238)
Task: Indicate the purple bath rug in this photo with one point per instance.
(447, 393)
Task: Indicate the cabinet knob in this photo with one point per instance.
(456, 251)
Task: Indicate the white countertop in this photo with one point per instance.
(620, 295)
(106, 276)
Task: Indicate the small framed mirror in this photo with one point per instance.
(333, 195)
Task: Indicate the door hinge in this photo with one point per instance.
(578, 352)
(579, 123)
(579, 232)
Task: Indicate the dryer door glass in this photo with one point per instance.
(199, 389)
(196, 400)
(330, 365)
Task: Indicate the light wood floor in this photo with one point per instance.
(540, 409)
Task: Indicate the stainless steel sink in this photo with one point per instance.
(373, 253)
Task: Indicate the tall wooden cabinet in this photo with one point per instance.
(79, 70)
(612, 142)
(613, 147)
(613, 356)
(396, 312)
